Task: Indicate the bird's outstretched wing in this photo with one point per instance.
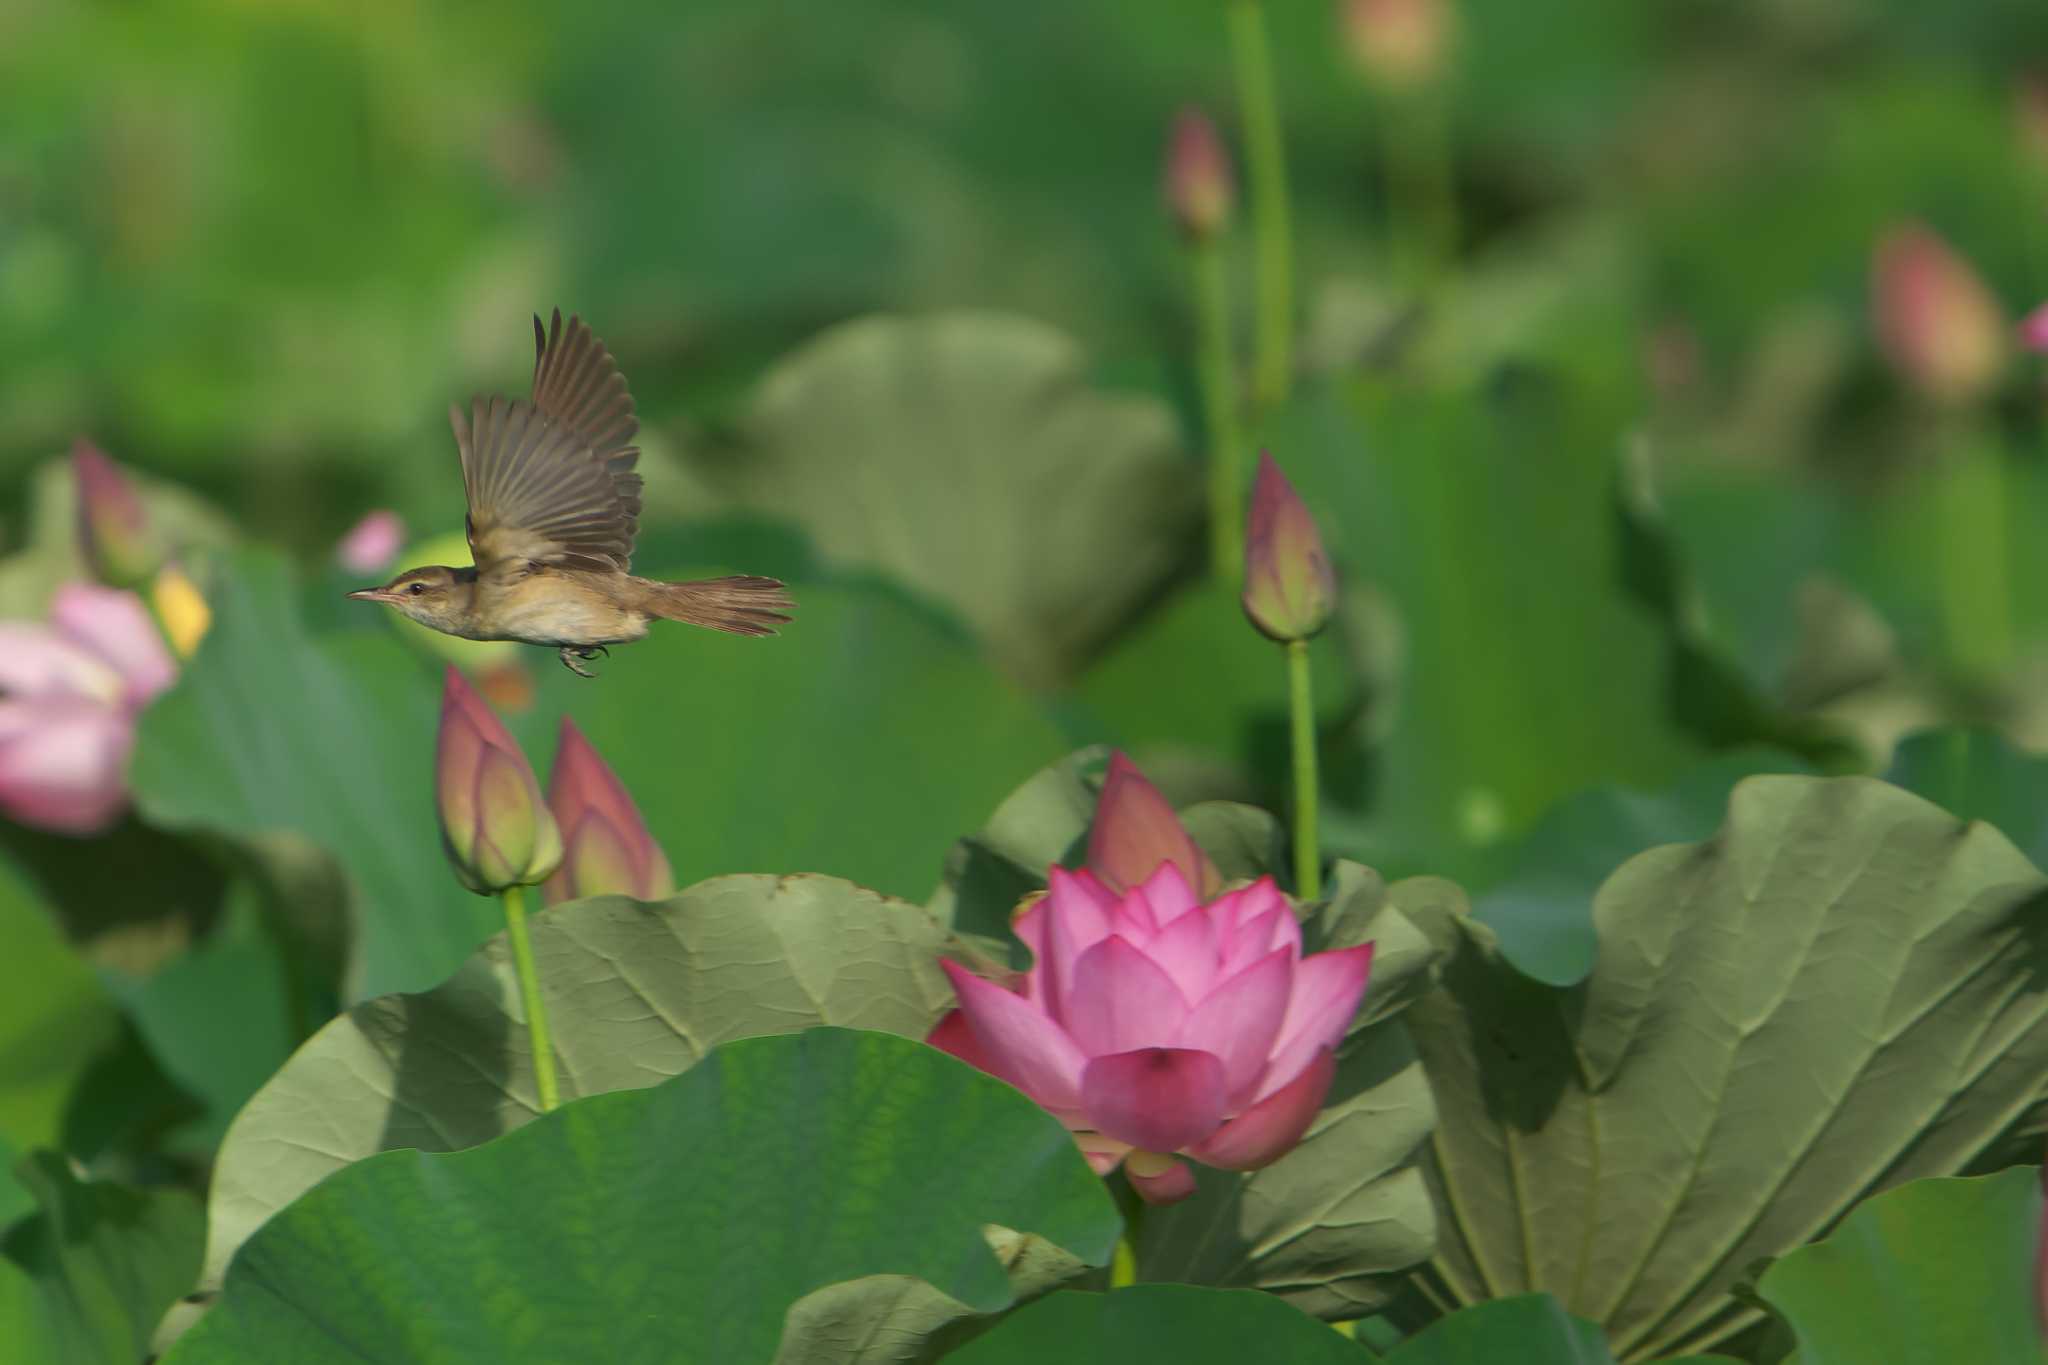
(551, 481)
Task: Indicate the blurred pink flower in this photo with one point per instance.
(1135, 830)
(69, 694)
(1937, 322)
(113, 527)
(606, 849)
(1198, 184)
(1399, 43)
(1154, 1025)
(2034, 329)
(373, 544)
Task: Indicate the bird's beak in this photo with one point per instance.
(373, 595)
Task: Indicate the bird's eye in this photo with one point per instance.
(416, 589)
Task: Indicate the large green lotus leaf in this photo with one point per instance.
(1529, 1329)
(1183, 1323)
(1487, 514)
(269, 732)
(54, 1018)
(1978, 775)
(85, 1279)
(856, 742)
(1326, 1224)
(966, 456)
(677, 1223)
(635, 993)
(1540, 904)
(1836, 993)
(1935, 1272)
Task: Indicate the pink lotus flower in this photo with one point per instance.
(372, 545)
(1153, 1024)
(606, 849)
(69, 694)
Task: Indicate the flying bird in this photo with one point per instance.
(554, 505)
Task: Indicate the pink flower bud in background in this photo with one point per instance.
(1198, 181)
(2034, 329)
(69, 694)
(113, 527)
(1938, 325)
(494, 826)
(2030, 112)
(1155, 1025)
(1399, 44)
(372, 545)
(1289, 587)
(1135, 831)
(606, 849)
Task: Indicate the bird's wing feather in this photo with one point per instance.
(551, 481)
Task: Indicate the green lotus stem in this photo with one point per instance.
(529, 995)
(1976, 596)
(1308, 859)
(1271, 233)
(1216, 375)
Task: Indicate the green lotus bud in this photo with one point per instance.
(1289, 587)
(494, 825)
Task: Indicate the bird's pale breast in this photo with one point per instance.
(558, 609)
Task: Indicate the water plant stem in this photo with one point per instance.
(1308, 858)
(1252, 51)
(1970, 519)
(1218, 379)
(529, 996)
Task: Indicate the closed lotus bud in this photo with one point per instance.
(1399, 44)
(1939, 326)
(606, 849)
(494, 826)
(113, 528)
(1289, 586)
(1135, 832)
(2034, 330)
(1198, 183)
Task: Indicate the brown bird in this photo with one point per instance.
(553, 508)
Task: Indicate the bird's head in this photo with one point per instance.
(427, 595)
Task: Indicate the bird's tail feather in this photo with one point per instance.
(742, 604)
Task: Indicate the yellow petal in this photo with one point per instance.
(183, 611)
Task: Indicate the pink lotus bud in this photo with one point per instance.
(113, 528)
(494, 826)
(69, 695)
(1289, 587)
(2034, 329)
(1198, 182)
(2030, 110)
(1400, 44)
(372, 545)
(606, 847)
(1939, 326)
(1155, 1025)
(1135, 831)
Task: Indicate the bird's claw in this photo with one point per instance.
(571, 653)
